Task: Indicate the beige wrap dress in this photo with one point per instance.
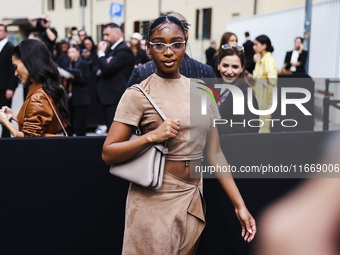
(169, 220)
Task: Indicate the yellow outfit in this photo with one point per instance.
(265, 75)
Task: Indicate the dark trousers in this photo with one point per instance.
(109, 114)
(78, 116)
(3, 102)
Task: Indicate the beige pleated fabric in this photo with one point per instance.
(165, 221)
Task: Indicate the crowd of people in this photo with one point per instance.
(258, 69)
(62, 78)
(96, 76)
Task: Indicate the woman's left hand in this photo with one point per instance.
(248, 223)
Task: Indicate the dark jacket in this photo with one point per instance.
(116, 67)
(189, 68)
(209, 54)
(80, 83)
(62, 60)
(249, 54)
(142, 58)
(226, 111)
(302, 60)
(7, 78)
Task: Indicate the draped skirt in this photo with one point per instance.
(165, 221)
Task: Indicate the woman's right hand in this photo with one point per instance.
(8, 112)
(168, 129)
(3, 117)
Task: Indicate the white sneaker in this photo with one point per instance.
(101, 129)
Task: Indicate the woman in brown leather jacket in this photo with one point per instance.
(44, 112)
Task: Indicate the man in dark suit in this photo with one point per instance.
(115, 63)
(189, 67)
(249, 53)
(295, 60)
(8, 81)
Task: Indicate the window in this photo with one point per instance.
(145, 24)
(50, 5)
(81, 2)
(67, 29)
(68, 4)
(100, 29)
(136, 26)
(206, 33)
(197, 23)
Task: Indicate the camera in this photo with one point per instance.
(40, 22)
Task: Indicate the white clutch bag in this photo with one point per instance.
(147, 167)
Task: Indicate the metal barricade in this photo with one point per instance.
(327, 102)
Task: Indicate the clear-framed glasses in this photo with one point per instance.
(228, 46)
(161, 47)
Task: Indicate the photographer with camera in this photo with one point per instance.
(42, 24)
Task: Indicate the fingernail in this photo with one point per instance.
(250, 231)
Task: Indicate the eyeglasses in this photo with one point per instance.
(161, 47)
(227, 47)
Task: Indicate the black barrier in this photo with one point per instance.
(223, 232)
(57, 196)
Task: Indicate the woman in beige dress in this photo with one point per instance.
(169, 220)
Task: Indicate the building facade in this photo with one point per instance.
(208, 19)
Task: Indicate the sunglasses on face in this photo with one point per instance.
(161, 47)
(228, 46)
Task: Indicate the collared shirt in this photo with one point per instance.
(3, 43)
(294, 58)
(102, 54)
(116, 43)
